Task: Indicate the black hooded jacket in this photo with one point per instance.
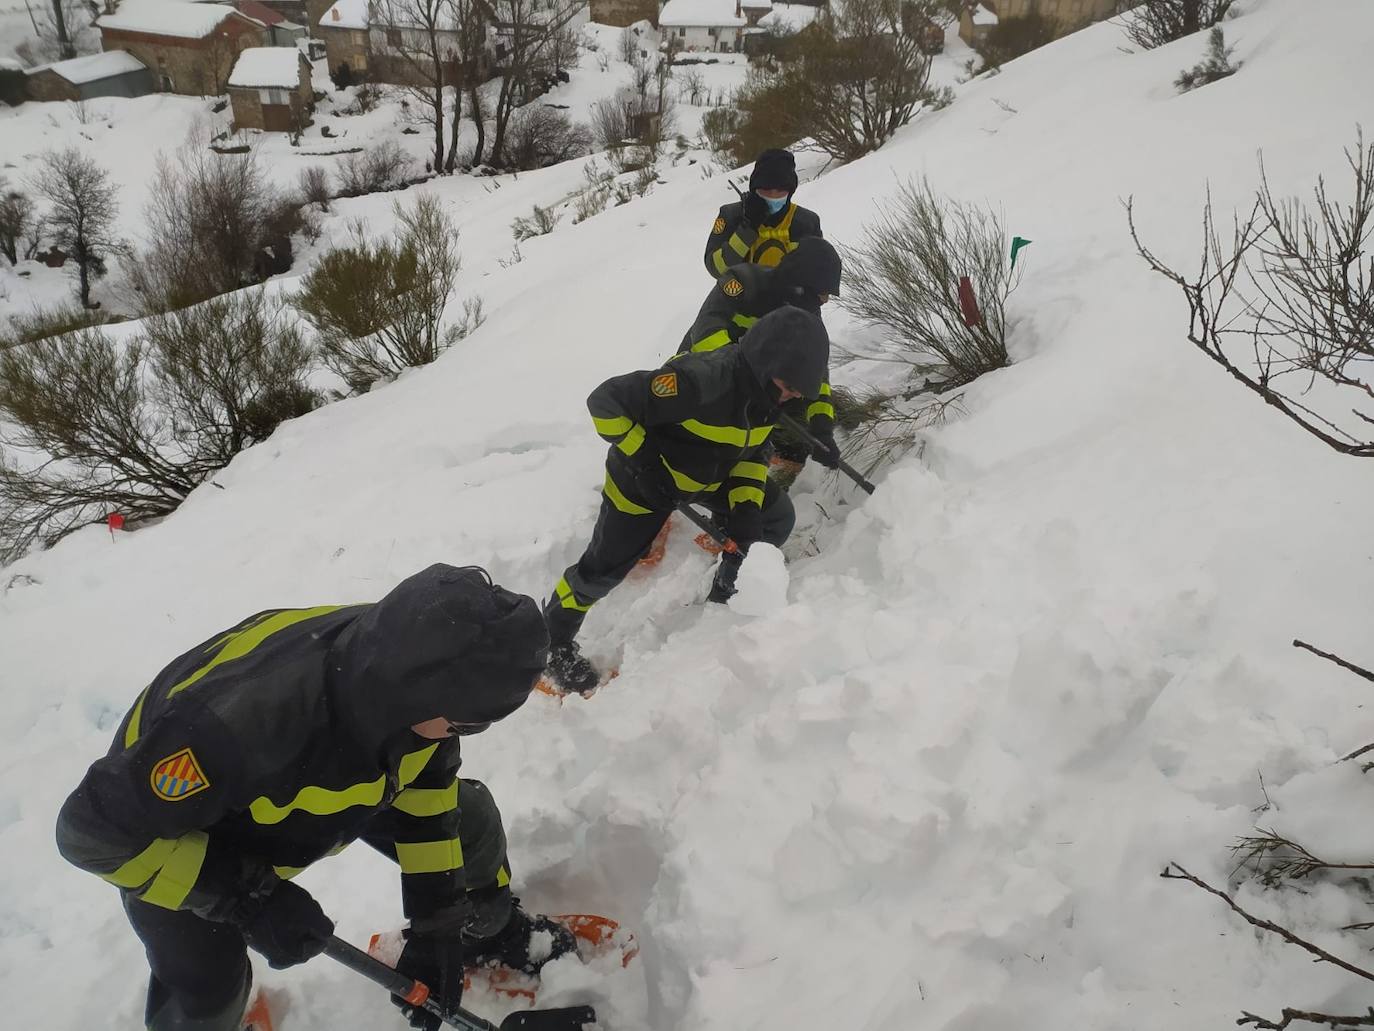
(708, 416)
(278, 742)
(746, 232)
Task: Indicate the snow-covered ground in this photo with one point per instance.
(935, 788)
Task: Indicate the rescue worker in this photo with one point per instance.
(697, 430)
(806, 277)
(282, 740)
(763, 224)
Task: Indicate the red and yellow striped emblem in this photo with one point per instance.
(178, 776)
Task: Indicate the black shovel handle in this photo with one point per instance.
(800, 430)
(570, 1018)
(709, 528)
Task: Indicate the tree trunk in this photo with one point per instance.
(59, 18)
(479, 121)
(455, 127)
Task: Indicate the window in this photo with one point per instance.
(393, 37)
(682, 32)
(276, 97)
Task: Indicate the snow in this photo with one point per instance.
(718, 13)
(762, 582)
(166, 18)
(78, 70)
(934, 790)
(346, 14)
(789, 17)
(984, 15)
(267, 67)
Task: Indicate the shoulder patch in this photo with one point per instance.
(719, 226)
(732, 287)
(664, 385)
(178, 776)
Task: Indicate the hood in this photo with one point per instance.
(445, 642)
(812, 266)
(790, 344)
(774, 170)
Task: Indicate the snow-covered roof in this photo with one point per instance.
(789, 17)
(160, 18)
(78, 70)
(717, 13)
(260, 12)
(751, 5)
(267, 68)
(346, 14)
(983, 15)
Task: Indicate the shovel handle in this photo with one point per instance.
(414, 992)
(709, 528)
(800, 430)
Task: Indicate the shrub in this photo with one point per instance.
(1216, 65)
(1013, 37)
(314, 187)
(378, 305)
(1153, 23)
(540, 136)
(382, 167)
(539, 222)
(906, 279)
(16, 221)
(48, 322)
(14, 87)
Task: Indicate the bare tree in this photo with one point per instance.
(420, 50)
(528, 34)
(471, 65)
(82, 207)
(16, 218)
(1152, 23)
(1296, 286)
(63, 27)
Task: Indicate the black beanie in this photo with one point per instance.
(774, 170)
(812, 265)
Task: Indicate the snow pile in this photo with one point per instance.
(79, 70)
(167, 18)
(933, 790)
(711, 13)
(762, 582)
(268, 68)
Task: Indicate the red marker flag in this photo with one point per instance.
(115, 521)
(968, 303)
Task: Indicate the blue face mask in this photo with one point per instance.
(774, 206)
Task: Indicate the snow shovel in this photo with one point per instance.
(709, 528)
(567, 1018)
(800, 430)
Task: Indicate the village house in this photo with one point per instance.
(270, 89)
(281, 30)
(189, 48)
(113, 73)
(624, 12)
(715, 25)
(978, 19)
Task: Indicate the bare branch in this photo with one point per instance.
(1357, 670)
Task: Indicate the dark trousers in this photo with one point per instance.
(200, 971)
(621, 539)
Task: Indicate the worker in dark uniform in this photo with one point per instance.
(282, 740)
(807, 277)
(764, 224)
(697, 430)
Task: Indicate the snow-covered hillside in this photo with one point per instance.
(936, 788)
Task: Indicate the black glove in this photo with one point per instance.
(825, 450)
(745, 524)
(433, 955)
(287, 927)
(648, 477)
(755, 210)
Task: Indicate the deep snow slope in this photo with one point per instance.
(935, 789)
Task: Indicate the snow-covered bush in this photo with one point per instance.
(313, 183)
(1019, 34)
(1153, 23)
(381, 167)
(43, 322)
(16, 220)
(539, 222)
(907, 277)
(92, 425)
(378, 304)
(539, 136)
(1286, 300)
(1215, 65)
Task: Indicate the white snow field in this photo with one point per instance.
(935, 789)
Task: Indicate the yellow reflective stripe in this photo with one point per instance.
(685, 482)
(719, 338)
(732, 435)
(240, 644)
(718, 260)
(825, 390)
(743, 494)
(616, 427)
(428, 801)
(738, 246)
(744, 321)
(429, 856)
(566, 597)
(139, 870)
(750, 471)
(287, 872)
(620, 501)
(318, 801)
(132, 731)
(179, 872)
(816, 408)
(632, 440)
(502, 876)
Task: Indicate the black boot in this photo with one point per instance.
(525, 944)
(571, 670)
(723, 586)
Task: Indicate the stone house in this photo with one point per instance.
(714, 25)
(113, 73)
(189, 48)
(380, 44)
(624, 12)
(281, 30)
(978, 19)
(270, 89)
(343, 27)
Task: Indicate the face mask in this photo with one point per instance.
(774, 205)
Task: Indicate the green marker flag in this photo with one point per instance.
(1017, 242)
